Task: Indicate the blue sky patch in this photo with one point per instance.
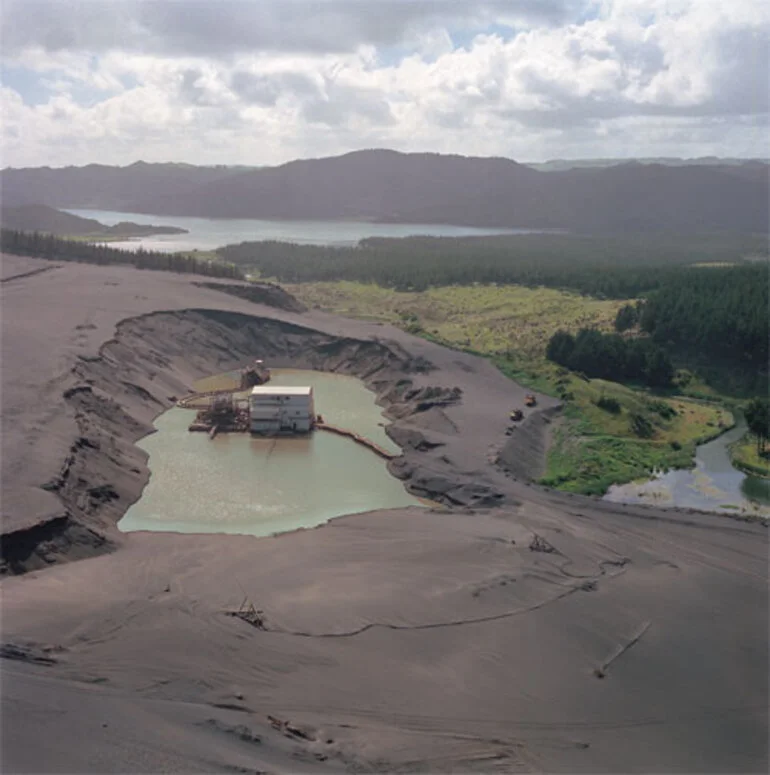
(27, 83)
(461, 37)
(34, 87)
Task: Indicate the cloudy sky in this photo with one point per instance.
(266, 81)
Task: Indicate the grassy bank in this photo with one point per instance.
(596, 448)
(610, 433)
(744, 456)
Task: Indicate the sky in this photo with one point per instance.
(262, 82)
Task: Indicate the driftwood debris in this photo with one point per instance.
(288, 728)
(539, 544)
(249, 614)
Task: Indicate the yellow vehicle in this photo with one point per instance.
(530, 400)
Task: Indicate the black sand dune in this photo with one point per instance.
(510, 630)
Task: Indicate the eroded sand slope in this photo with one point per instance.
(512, 630)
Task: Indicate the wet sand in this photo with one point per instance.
(546, 633)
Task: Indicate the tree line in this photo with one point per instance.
(716, 318)
(612, 357)
(605, 267)
(41, 245)
(720, 311)
(757, 414)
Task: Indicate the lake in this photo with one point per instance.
(713, 485)
(210, 233)
(236, 483)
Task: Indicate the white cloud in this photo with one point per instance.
(628, 77)
(220, 28)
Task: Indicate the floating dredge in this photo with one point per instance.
(224, 413)
(269, 410)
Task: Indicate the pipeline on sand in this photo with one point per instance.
(322, 426)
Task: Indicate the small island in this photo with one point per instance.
(129, 229)
(46, 219)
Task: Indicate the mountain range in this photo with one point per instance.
(557, 165)
(388, 186)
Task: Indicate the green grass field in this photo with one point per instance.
(593, 447)
(745, 456)
(487, 319)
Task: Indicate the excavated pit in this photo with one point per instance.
(154, 359)
(462, 640)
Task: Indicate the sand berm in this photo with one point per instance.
(508, 629)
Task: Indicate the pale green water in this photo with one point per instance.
(210, 233)
(239, 484)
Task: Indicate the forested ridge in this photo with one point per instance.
(721, 311)
(385, 186)
(47, 246)
(610, 267)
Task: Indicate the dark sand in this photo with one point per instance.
(410, 640)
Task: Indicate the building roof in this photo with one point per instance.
(281, 390)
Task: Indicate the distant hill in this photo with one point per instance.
(559, 165)
(101, 187)
(51, 221)
(387, 186)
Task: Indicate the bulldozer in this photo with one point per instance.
(530, 399)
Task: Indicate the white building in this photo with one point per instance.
(276, 409)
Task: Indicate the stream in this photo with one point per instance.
(712, 485)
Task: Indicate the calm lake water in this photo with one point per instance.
(713, 485)
(239, 484)
(210, 233)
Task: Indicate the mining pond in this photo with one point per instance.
(712, 485)
(236, 483)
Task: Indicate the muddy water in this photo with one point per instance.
(239, 484)
(713, 485)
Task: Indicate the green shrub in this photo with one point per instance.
(666, 411)
(641, 426)
(611, 405)
(682, 378)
